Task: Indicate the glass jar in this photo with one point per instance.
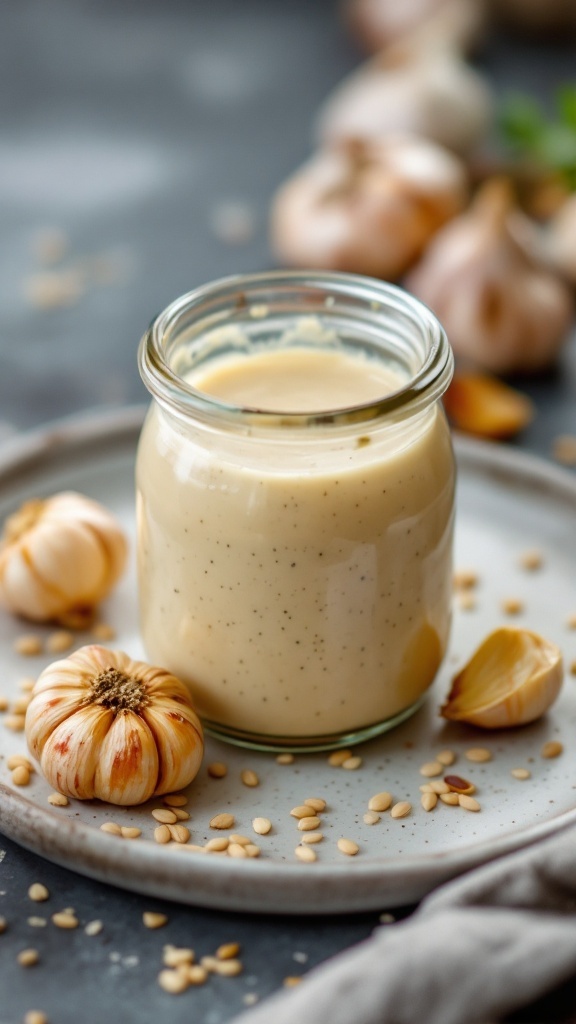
(295, 552)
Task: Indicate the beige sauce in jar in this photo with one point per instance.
(301, 587)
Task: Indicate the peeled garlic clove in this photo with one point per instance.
(59, 554)
(412, 90)
(379, 23)
(503, 309)
(561, 239)
(486, 407)
(512, 679)
(367, 208)
(105, 727)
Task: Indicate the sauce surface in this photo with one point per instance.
(301, 584)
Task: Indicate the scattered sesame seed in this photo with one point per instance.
(512, 606)
(387, 918)
(250, 998)
(59, 641)
(249, 778)
(468, 802)
(438, 786)
(173, 981)
(223, 820)
(38, 892)
(291, 981)
(466, 602)
(28, 645)
(217, 770)
(130, 832)
(380, 801)
(431, 768)
(237, 850)
(28, 957)
(112, 828)
(552, 749)
(17, 761)
(301, 811)
(309, 824)
(103, 631)
(179, 833)
(465, 579)
(261, 826)
(521, 773)
(35, 1017)
(429, 801)
(37, 922)
(312, 837)
(316, 803)
(218, 844)
(401, 809)
(352, 763)
(228, 968)
(252, 850)
(446, 757)
(459, 785)
(371, 818)
(196, 974)
(450, 798)
(337, 757)
(65, 919)
(306, 854)
(228, 951)
(285, 759)
(571, 621)
(20, 705)
(174, 956)
(181, 814)
(15, 723)
(164, 815)
(175, 799)
(152, 919)
(27, 683)
(21, 776)
(531, 560)
(93, 928)
(348, 847)
(478, 754)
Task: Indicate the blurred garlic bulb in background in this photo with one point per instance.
(561, 239)
(502, 308)
(368, 208)
(379, 23)
(412, 89)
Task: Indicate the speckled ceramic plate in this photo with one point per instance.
(507, 503)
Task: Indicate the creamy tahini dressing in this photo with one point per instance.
(300, 585)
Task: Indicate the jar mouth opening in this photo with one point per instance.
(341, 311)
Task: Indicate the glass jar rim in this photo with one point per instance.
(172, 391)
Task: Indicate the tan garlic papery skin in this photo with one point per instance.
(560, 239)
(59, 555)
(503, 310)
(412, 89)
(379, 23)
(367, 208)
(105, 727)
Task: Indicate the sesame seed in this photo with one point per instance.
(337, 758)
(478, 754)
(130, 832)
(223, 820)
(306, 854)
(252, 850)
(217, 844)
(351, 763)
(59, 641)
(28, 645)
(451, 798)
(179, 833)
(285, 759)
(512, 606)
(228, 951)
(15, 723)
(261, 826)
(468, 802)
(152, 919)
(27, 683)
(237, 850)
(196, 974)
(438, 786)
(291, 981)
(401, 809)
(465, 579)
(380, 801)
(112, 828)
(228, 968)
(316, 803)
(65, 919)
(431, 768)
(371, 818)
(175, 800)
(429, 801)
(103, 631)
(58, 800)
(172, 981)
(21, 776)
(312, 837)
(308, 824)
(164, 815)
(520, 773)
(466, 602)
(531, 560)
(18, 761)
(348, 847)
(301, 811)
(217, 770)
(446, 757)
(37, 922)
(20, 705)
(162, 835)
(249, 778)
(552, 749)
(38, 892)
(28, 957)
(93, 928)
(35, 1017)
(174, 956)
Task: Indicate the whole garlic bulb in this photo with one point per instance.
(503, 309)
(412, 89)
(561, 239)
(380, 23)
(59, 556)
(105, 727)
(367, 208)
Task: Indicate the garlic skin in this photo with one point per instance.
(503, 309)
(560, 239)
(105, 727)
(59, 556)
(412, 89)
(512, 679)
(379, 23)
(367, 208)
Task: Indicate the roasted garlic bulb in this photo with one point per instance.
(512, 679)
(105, 727)
(502, 307)
(59, 557)
(413, 89)
(367, 208)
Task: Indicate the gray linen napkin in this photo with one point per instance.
(478, 948)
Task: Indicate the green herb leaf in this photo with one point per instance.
(547, 140)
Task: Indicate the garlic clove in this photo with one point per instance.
(486, 407)
(105, 726)
(413, 90)
(503, 310)
(512, 679)
(128, 762)
(70, 755)
(368, 208)
(58, 555)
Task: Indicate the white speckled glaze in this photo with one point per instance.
(507, 503)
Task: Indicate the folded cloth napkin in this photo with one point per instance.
(478, 948)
